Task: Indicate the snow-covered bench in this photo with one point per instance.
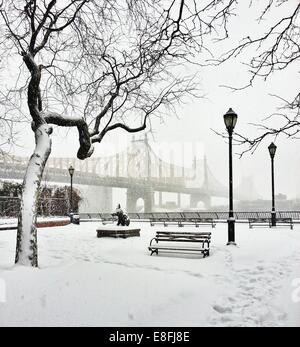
(197, 221)
(170, 241)
(180, 219)
(268, 222)
(108, 218)
(90, 217)
(158, 218)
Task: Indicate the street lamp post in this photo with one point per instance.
(230, 119)
(272, 150)
(71, 172)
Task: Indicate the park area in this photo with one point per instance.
(83, 280)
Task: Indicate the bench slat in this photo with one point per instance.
(184, 240)
(183, 233)
(177, 248)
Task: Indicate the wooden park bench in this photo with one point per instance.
(107, 218)
(268, 222)
(158, 218)
(197, 221)
(253, 222)
(170, 241)
(90, 217)
(85, 217)
(180, 219)
(174, 218)
(285, 222)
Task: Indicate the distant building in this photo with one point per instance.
(282, 203)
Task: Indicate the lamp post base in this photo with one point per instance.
(231, 243)
(273, 219)
(231, 231)
(71, 214)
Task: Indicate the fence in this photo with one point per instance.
(295, 215)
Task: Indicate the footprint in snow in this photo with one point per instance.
(222, 309)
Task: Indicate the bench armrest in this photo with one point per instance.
(154, 238)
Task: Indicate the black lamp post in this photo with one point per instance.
(272, 150)
(230, 119)
(71, 172)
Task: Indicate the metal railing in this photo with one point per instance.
(295, 215)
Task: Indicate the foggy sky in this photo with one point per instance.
(199, 116)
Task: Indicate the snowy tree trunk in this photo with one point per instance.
(26, 251)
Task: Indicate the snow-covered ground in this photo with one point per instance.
(87, 281)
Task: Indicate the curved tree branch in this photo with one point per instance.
(86, 149)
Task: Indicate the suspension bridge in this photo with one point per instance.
(137, 168)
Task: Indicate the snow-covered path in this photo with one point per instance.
(83, 280)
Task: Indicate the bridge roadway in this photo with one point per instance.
(169, 184)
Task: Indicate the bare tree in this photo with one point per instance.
(276, 49)
(98, 66)
(7, 134)
(10, 119)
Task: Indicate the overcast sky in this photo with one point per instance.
(199, 116)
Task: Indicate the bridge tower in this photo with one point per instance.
(205, 195)
(195, 198)
(160, 196)
(135, 193)
(144, 192)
